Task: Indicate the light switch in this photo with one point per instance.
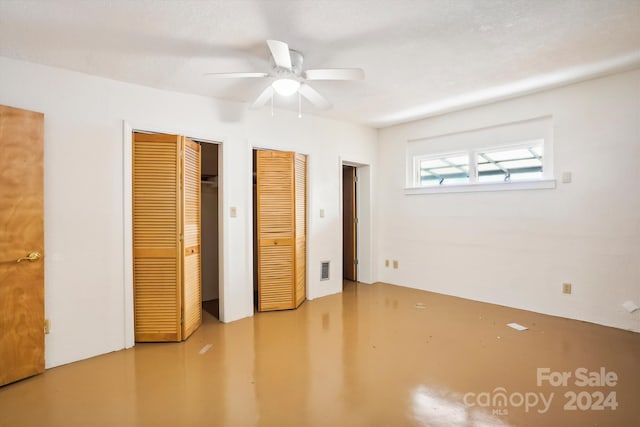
(566, 177)
(321, 213)
(233, 212)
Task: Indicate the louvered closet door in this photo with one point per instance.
(275, 223)
(156, 237)
(301, 227)
(191, 286)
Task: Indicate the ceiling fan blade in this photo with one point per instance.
(235, 75)
(263, 98)
(314, 97)
(335, 74)
(280, 53)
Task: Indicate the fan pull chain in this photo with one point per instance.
(299, 105)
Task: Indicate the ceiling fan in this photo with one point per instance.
(291, 79)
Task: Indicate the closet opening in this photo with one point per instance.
(210, 232)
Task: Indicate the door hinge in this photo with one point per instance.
(355, 178)
(355, 261)
(355, 220)
(181, 237)
(47, 326)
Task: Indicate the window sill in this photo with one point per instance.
(494, 186)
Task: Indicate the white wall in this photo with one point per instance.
(516, 248)
(85, 180)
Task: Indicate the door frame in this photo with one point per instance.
(364, 227)
(128, 127)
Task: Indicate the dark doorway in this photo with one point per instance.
(349, 224)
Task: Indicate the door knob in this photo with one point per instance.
(33, 256)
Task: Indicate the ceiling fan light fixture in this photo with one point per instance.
(286, 87)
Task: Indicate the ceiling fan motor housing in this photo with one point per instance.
(296, 65)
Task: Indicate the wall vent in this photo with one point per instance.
(324, 270)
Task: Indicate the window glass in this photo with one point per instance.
(522, 162)
(508, 164)
(443, 170)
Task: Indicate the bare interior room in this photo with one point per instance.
(319, 213)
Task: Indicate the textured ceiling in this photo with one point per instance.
(421, 57)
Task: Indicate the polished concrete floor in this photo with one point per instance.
(376, 355)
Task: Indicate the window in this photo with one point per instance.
(516, 155)
(443, 169)
(510, 164)
(502, 164)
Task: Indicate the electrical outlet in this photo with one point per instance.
(386, 263)
(566, 288)
(395, 263)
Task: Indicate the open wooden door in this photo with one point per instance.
(191, 230)
(157, 256)
(21, 244)
(281, 229)
(349, 224)
(166, 237)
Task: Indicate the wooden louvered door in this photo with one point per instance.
(191, 230)
(281, 229)
(166, 237)
(300, 227)
(156, 237)
(275, 210)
